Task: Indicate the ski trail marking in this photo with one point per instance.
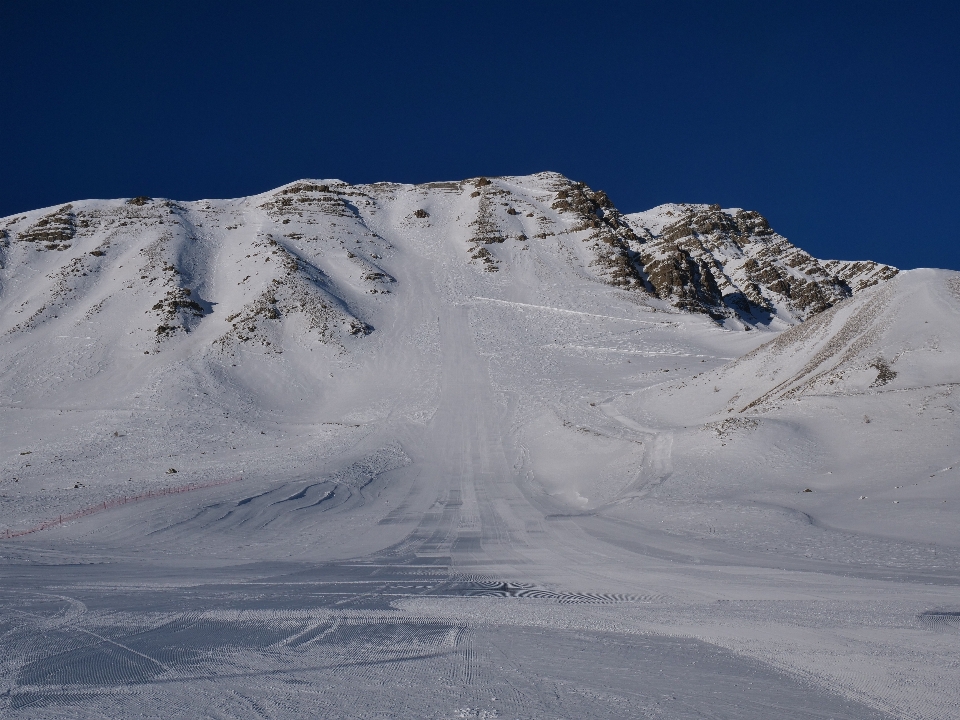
(572, 312)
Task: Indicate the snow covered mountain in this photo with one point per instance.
(228, 306)
(194, 326)
(514, 410)
(327, 241)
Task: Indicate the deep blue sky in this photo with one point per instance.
(839, 121)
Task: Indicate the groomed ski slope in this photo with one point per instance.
(520, 494)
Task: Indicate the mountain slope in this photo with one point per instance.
(896, 337)
(849, 418)
(272, 333)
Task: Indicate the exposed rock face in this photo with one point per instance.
(53, 231)
(316, 261)
(730, 263)
(608, 235)
(859, 275)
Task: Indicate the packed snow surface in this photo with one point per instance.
(479, 449)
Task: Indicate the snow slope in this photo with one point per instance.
(134, 326)
(847, 421)
(481, 455)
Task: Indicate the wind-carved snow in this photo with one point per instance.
(504, 451)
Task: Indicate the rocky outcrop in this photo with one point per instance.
(730, 263)
(609, 236)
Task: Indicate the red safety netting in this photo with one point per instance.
(116, 502)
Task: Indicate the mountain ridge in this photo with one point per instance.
(727, 264)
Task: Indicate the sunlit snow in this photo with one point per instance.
(313, 454)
